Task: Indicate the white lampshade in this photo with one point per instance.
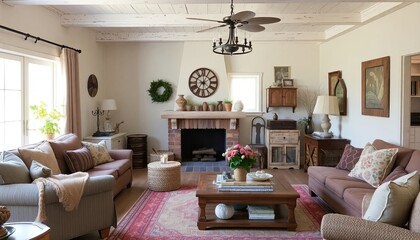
(109, 104)
(326, 105)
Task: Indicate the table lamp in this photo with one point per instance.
(327, 105)
(108, 105)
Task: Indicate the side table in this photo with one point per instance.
(164, 176)
(323, 151)
(29, 230)
(138, 143)
(116, 141)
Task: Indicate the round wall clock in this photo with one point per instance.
(203, 82)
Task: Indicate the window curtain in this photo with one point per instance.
(70, 68)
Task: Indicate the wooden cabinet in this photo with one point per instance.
(283, 149)
(138, 143)
(281, 97)
(323, 151)
(116, 141)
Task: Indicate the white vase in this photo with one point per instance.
(239, 106)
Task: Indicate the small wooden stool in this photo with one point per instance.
(164, 177)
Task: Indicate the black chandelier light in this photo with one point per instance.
(244, 20)
(232, 45)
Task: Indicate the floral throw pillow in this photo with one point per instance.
(99, 152)
(349, 158)
(374, 165)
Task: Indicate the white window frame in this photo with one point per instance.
(257, 98)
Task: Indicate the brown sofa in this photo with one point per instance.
(120, 169)
(345, 194)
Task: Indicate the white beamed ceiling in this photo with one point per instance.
(166, 20)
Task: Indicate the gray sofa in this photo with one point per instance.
(96, 210)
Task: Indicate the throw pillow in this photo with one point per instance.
(38, 170)
(79, 160)
(349, 158)
(392, 201)
(43, 154)
(13, 169)
(374, 165)
(396, 173)
(99, 152)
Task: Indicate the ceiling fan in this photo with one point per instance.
(244, 20)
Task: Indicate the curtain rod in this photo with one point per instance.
(27, 35)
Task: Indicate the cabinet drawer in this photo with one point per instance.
(282, 138)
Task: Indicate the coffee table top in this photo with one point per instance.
(281, 189)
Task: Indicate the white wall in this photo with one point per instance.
(39, 21)
(394, 35)
(130, 67)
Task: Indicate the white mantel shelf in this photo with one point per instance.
(201, 115)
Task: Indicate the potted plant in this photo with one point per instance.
(240, 159)
(306, 123)
(51, 119)
(228, 104)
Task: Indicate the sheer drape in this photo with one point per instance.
(70, 68)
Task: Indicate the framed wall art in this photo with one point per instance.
(375, 87)
(281, 73)
(337, 87)
(288, 83)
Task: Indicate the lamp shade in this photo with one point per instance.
(109, 104)
(326, 105)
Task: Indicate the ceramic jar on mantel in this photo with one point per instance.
(219, 105)
(205, 106)
(181, 102)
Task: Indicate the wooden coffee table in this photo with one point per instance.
(283, 197)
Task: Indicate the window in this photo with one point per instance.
(26, 81)
(246, 88)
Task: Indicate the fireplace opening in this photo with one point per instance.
(203, 142)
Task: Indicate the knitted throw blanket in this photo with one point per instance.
(68, 187)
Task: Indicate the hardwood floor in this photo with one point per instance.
(127, 197)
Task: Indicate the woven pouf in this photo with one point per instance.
(164, 176)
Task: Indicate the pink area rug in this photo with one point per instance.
(173, 215)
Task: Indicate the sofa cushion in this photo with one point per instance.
(349, 158)
(338, 186)
(392, 201)
(38, 170)
(414, 221)
(100, 172)
(354, 197)
(396, 173)
(99, 152)
(63, 143)
(121, 165)
(13, 169)
(403, 155)
(43, 153)
(321, 173)
(414, 164)
(79, 160)
(374, 164)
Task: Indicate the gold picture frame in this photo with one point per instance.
(337, 87)
(375, 87)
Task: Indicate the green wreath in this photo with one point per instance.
(154, 88)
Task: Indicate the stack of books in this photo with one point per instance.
(248, 186)
(260, 212)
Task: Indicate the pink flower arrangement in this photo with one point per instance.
(239, 156)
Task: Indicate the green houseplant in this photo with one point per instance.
(228, 104)
(51, 119)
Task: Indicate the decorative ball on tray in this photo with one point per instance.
(4, 216)
(224, 211)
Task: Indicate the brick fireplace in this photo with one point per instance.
(200, 120)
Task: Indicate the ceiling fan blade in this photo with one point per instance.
(207, 29)
(251, 28)
(242, 16)
(203, 19)
(263, 20)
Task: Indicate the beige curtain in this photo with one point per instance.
(70, 67)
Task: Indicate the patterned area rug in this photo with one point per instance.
(173, 215)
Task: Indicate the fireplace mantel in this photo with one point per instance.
(201, 115)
